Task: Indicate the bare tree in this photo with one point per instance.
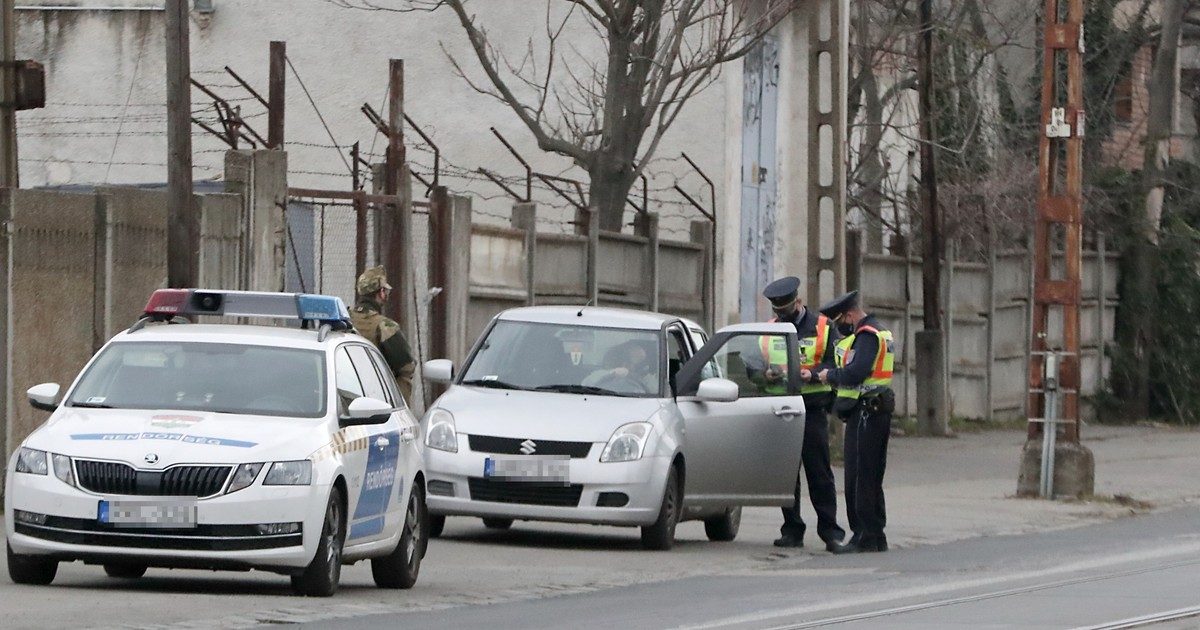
(608, 113)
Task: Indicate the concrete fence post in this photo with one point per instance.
(524, 217)
(990, 359)
(101, 253)
(458, 289)
(652, 236)
(854, 259)
(702, 234)
(6, 380)
(948, 319)
(1101, 306)
(593, 256)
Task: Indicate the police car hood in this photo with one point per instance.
(176, 436)
(543, 415)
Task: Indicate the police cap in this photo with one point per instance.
(371, 281)
(782, 291)
(840, 305)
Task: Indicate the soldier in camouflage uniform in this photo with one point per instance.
(367, 316)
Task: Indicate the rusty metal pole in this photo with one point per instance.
(1059, 216)
(440, 246)
(183, 231)
(394, 233)
(276, 101)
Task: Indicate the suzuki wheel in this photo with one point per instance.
(400, 568)
(25, 569)
(125, 571)
(661, 535)
(724, 528)
(321, 577)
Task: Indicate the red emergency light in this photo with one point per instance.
(168, 302)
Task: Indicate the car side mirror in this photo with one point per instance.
(44, 396)
(364, 410)
(438, 370)
(717, 390)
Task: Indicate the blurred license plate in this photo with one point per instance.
(546, 469)
(148, 514)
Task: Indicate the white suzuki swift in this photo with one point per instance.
(224, 447)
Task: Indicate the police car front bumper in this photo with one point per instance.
(44, 516)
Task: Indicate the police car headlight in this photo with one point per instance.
(62, 469)
(627, 443)
(32, 461)
(298, 473)
(442, 434)
(243, 477)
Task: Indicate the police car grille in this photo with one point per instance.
(513, 446)
(524, 492)
(178, 481)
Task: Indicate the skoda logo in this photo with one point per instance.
(151, 458)
(528, 447)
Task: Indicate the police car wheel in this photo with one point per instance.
(497, 523)
(400, 568)
(437, 523)
(25, 569)
(724, 528)
(321, 577)
(661, 535)
(125, 571)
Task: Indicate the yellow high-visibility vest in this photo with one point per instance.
(812, 349)
(881, 372)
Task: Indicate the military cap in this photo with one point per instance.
(840, 305)
(371, 281)
(782, 291)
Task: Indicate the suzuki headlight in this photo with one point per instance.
(62, 469)
(32, 461)
(297, 473)
(244, 476)
(627, 443)
(442, 435)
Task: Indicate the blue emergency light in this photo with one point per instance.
(166, 304)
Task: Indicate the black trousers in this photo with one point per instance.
(866, 460)
(815, 467)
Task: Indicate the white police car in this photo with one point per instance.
(224, 447)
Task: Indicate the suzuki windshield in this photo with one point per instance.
(212, 377)
(568, 359)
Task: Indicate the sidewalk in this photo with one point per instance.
(940, 490)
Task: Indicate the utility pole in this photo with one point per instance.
(395, 171)
(9, 172)
(933, 367)
(183, 224)
(276, 102)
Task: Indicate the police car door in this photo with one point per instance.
(369, 513)
(744, 452)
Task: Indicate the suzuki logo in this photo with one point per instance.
(528, 447)
(151, 458)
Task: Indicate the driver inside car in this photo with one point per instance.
(629, 370)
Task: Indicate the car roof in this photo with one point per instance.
(279, 336)
(591, 316)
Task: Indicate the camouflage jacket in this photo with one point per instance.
(385, 333)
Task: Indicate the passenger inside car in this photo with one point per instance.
(627, 369)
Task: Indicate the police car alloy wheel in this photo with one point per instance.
(287, 449)
(401, 568)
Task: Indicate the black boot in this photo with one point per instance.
(838, 549)
(788, 540)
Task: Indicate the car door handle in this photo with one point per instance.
(787, 412)
(407, 434)
(382, 442)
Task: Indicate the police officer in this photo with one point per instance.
(372, 291)
(817, 340)
(863, 378)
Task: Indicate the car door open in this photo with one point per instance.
(745, 451)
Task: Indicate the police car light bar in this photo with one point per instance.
(168, 303)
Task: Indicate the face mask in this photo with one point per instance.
(845, 328)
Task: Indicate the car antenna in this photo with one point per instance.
(589, 303)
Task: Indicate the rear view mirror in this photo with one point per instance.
(438, 370)
(44, 396)
(364, 410)
(717, 390)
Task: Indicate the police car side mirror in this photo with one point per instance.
(438, 370)
(44, 396)
(364, 410)
(717, 390)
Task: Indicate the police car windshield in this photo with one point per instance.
(214, 377)
(568, 359)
